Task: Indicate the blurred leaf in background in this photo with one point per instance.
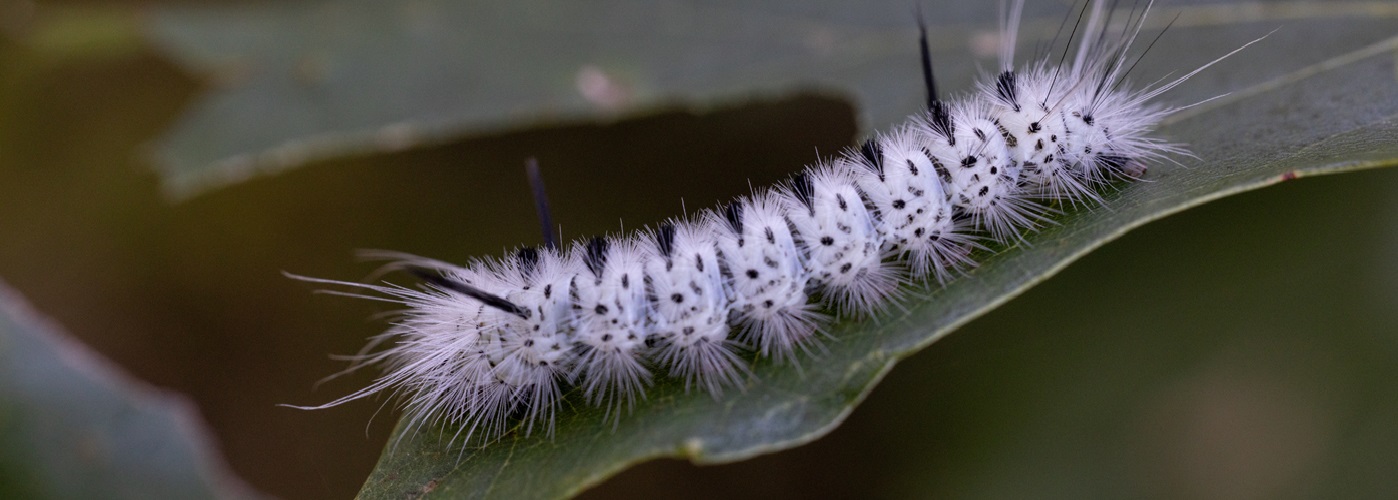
(1119, 382)
(72, 426)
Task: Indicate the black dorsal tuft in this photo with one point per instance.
(1005, 87)
(665, 239)
(802, 188)
(528, 259)
(873, 155)
(596, 257)
(939, 117)
(733, 213)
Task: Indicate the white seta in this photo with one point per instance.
(494, 345)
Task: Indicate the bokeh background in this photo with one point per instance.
(1243, 349)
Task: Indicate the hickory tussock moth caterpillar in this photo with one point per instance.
(497, 341)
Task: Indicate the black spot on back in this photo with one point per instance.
(1010, 139)
(930, 157)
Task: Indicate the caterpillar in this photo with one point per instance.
(495, 344)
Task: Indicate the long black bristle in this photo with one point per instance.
(484, 297)
(927, 78)
(1071, 34)
(1123, 76)
(541, 202)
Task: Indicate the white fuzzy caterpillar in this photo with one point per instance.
(690, 317)
(499, 341)
(610, 314)
(839, 234)
(767, 275)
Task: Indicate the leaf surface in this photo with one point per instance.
(73, 426)
(293, 82)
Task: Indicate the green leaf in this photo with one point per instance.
(73, 426)
(1332, 114)
(293, 82)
